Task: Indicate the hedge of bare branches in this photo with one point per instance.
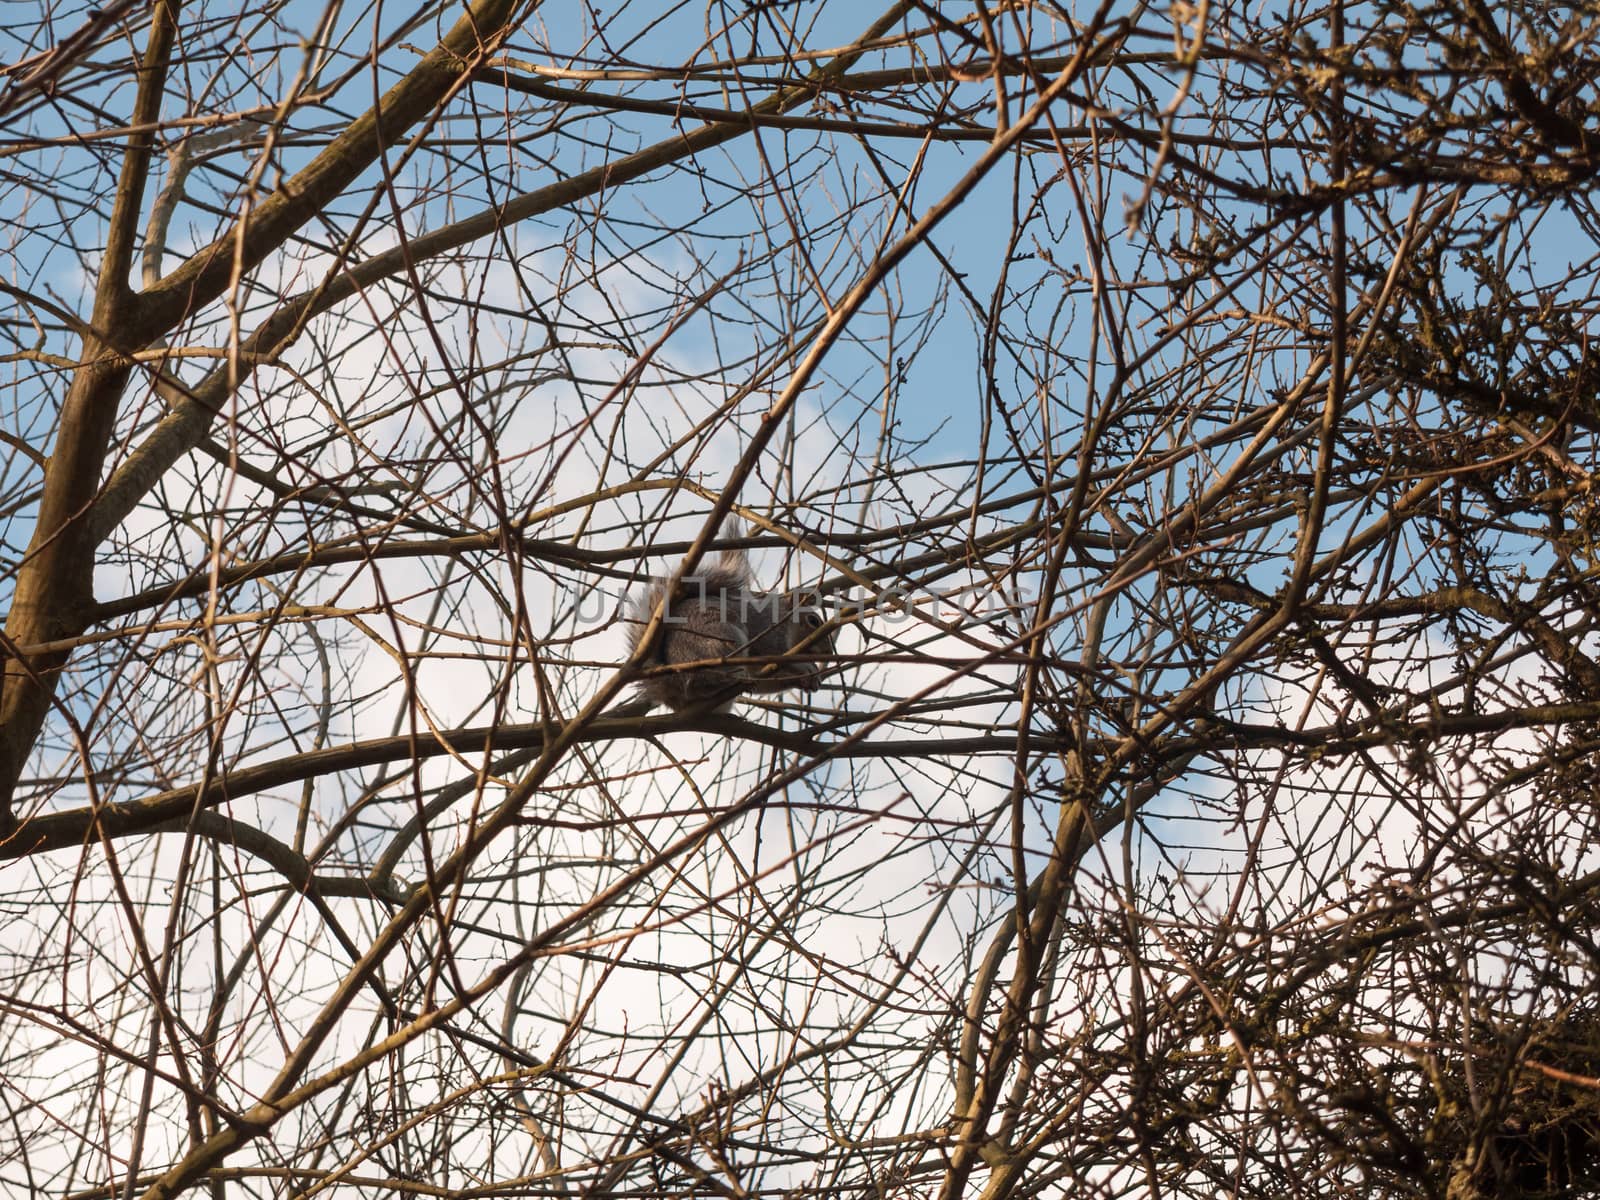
(1187, 415)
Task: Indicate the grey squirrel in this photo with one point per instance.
(720, 638)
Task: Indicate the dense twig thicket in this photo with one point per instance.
(1188, 414)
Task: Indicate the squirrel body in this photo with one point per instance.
(722, 638)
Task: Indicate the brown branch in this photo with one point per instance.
(54, 583)
(53, 587)
(154, 814)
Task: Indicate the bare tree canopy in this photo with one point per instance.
(1177, 426)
